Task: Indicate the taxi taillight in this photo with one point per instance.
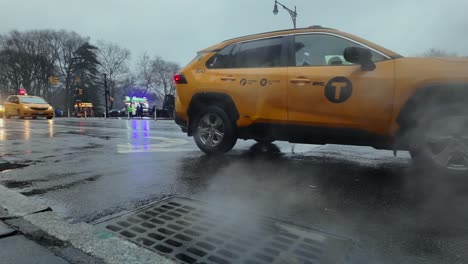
(179, 78)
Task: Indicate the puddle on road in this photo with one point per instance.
(17, 184)
(154, 144)
(82, 133)
(7, 166)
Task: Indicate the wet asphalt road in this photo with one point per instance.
(89, 169)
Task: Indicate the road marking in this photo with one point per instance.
(163, 144)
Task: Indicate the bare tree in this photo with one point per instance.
(10, 78)
(73, 54)
(113, 62)
(438, 53)
(165, 73)
(18, 54)
(45, 63)
(26, 60)
(146, 73)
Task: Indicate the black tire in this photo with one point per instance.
(8, 117)
(441, 130)
(34, 117)
(228, 128)
(264, 141)
(50, 117)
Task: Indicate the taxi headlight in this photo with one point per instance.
(26, 107)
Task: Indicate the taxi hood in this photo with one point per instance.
(453, 59)
(37, 105)
(432, 69)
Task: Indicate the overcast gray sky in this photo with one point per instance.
(176, 29)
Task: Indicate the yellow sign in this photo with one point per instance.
(83, 105)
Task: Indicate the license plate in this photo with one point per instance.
(40, 112)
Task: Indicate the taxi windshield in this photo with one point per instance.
(32, 100)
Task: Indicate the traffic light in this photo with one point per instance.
(54, 80)
(80, 91)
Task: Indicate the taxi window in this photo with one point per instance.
(13, 99)
(33, 100)
(222, 59)
(324, 50)
(261, 53)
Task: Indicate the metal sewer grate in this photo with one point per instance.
(191, 232)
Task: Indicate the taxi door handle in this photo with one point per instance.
(228, 78)
(300, 80)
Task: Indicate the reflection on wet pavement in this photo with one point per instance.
(22, 129)
(88, 169)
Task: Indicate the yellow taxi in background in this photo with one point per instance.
(27, 106)
(1, 111)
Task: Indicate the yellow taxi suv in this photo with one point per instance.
(323, 86)
(27, 106)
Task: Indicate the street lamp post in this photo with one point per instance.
(106, 95)
(292, 13)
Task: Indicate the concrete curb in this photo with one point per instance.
(36, 217)
(16, 205)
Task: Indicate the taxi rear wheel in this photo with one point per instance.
(214, 131)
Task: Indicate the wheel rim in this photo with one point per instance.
(211, 130)
(446, 141)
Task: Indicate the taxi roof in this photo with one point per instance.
(310, 29)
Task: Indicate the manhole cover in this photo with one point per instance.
(192, 232)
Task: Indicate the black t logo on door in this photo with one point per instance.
(338, 89)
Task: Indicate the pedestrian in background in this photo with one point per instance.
(153, 111)
(133, 109)
(129, 109)
(140, 110)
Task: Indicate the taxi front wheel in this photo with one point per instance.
(214, 131)
(441, 140)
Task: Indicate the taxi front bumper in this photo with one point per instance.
(31, 112)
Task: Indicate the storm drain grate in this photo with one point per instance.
(191, 232)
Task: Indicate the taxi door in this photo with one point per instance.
(325, 90)
(255, 74)
(11, 106)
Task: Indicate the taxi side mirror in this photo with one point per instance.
(360, 56)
